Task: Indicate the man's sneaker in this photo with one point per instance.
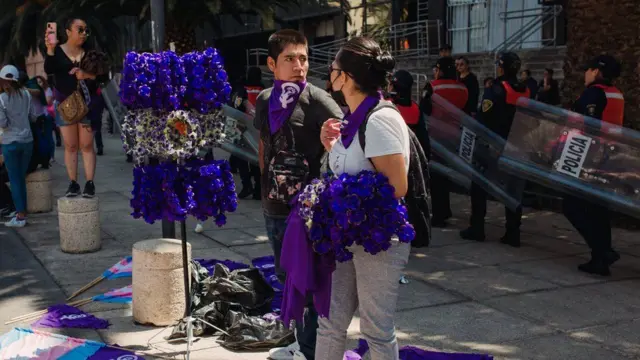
(285, 353)
(10, 214)
(73, 190)
(89, 190)
(16, 223)
(199, 229)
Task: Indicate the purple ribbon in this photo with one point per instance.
(307, 272)
(352, 121)
(282, 102)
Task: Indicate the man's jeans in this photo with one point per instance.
(305, 332)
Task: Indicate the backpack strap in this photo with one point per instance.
(363, 127)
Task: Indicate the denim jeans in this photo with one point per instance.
(306, 331)
(16, 158)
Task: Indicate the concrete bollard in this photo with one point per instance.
(79, 221)
(39, 197)
(158, 282)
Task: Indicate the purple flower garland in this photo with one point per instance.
(169, 191)
(353, 209)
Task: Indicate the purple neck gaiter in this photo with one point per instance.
(283, 99)
(352, 121)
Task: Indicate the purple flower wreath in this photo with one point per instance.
(353, 209)
(169, 191)
(175, 112)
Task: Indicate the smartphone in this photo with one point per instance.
(52, 32)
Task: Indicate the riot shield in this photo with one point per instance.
(472, 150)
(245, 145)
(575, 154)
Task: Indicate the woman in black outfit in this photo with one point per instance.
(63, 62)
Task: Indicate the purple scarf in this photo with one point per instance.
(65, 316)
(283, 99)
(352, 121)
(307, 272)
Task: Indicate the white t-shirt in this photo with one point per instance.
(386, 134)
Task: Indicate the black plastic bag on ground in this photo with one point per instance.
(214, 298)
(253, 333)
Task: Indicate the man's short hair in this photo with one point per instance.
(280, 39)
(445, 47)
(549, 70)
(463, 58)
(526, 71)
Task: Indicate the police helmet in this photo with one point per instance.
(509, 62)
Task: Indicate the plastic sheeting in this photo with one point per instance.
(472, 152)
(236, 302)
(575, 154)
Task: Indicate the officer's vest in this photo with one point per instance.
(614, 111)
(451, 90)
(252, 93)
(410, 114)
(513, 95)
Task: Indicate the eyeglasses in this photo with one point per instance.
(332, 69)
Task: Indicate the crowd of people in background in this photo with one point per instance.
(30, 119)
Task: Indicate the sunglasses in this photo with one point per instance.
(83, 30)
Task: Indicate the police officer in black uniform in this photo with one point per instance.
(496, 113)
(600, 100)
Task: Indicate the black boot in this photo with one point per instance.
(611, 257)
(438, 223)
(247, 190)
(473, 233)
(596, 266)
(511, 238)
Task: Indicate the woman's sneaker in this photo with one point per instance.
(16, 223)
(73, 190)
(286, 353)
(89, 190)
(199, 229)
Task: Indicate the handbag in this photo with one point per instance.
(76, 106)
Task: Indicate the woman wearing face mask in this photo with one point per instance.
(368, 282)
(63, 62)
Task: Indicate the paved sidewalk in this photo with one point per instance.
(527, 303)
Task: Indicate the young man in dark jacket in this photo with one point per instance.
(289, 116)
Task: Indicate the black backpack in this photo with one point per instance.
(416, 198)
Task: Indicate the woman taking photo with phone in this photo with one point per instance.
(16, 113)
(367, 282)
(63, 62)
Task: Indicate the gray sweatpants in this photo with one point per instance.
(370, 283)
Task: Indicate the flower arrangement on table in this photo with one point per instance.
(174, 116)
(340, 211)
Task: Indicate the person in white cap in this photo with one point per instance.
(16, 111)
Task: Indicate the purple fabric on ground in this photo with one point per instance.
(210, 264)
(65, 316)
(109, 353)
(414, 353)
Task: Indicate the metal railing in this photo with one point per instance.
(539, 17)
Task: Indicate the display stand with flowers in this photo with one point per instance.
(175, 119)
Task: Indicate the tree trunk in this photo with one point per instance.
(183, 36)
(594, 29)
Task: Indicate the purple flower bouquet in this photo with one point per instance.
(353, 209)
